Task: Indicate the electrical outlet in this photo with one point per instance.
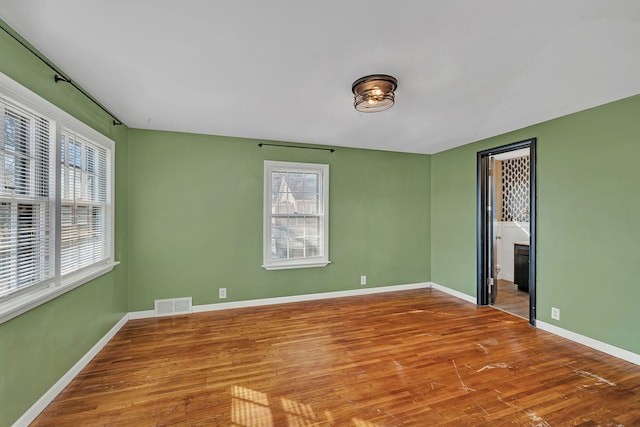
(222, 293)
(363, 280)
(555, 313)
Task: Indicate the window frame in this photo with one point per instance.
(22, 300)
(321, 260)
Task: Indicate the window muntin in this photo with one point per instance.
(296, 215)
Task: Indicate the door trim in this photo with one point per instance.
(483, 243)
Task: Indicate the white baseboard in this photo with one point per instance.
(55, 389)
(288, 299)
(590, 342)
(454, 293)
(134, 315)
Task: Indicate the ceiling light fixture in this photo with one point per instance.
(374, 93)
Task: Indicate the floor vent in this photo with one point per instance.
(168, 307)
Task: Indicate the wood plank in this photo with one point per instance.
(410, 358)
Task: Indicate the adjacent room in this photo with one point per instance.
(272, 213)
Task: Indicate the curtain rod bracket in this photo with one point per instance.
(59, 78)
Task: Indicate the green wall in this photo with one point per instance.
(195, 219)
(38, 347)
(588, 205)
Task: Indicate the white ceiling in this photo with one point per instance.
(283, 69)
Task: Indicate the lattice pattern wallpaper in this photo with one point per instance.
(515, 189)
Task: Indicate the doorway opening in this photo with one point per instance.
(506, 231)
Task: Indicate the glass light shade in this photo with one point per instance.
(374, 93)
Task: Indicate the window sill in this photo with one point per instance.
(30, 300)
(289, 266)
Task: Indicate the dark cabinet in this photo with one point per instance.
(521, 266)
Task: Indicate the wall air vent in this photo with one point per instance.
(168, 307)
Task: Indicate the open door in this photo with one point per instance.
(486, 238)
(491, 223)
(487, 205)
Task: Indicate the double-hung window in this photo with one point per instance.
(296, 215)
(56, 201)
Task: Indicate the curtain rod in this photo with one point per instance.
(61, 77)
(295, 146)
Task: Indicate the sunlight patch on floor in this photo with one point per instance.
(251, 408)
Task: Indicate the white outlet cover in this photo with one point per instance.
(555, 313)
(222, 292)
(363, 280)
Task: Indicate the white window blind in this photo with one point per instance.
(56, 201)
(27, 197)
(85, 202)
(295, 215)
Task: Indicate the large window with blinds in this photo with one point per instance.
(56, 208)
(27, 197)
(296, 215)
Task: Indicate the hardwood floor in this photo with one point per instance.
(512, 300)
(411, 358)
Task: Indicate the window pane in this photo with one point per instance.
(283, 200)
(16, 128)
(279, 233)
(15, 153)
(312, 246)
